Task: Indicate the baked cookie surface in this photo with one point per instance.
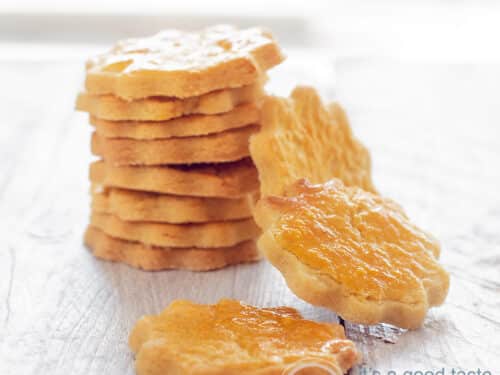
(133, 205)
(224, 180)
(353, 252)
(302, 138)
(233, 338)
(156, 258)
(230, 145)
(183, 64)
(186, 126)
(109, 107)
(201, 235)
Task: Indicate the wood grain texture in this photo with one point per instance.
(433, 132)
(434, 136)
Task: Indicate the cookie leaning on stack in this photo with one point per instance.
(173, 114)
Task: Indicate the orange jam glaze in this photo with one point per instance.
(176, 50)
(359, 239)
(233, 335)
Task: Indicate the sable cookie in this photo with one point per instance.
(109, 107)
(300, 138)
(353, 252)
(233, 338)
(185, 126)
(153, 258)
(202, 235)
(230, 145)
(228, 180)
(182, 64)
(140, 206)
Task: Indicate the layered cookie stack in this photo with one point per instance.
(173, 114)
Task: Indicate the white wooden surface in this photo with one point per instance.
(433, 129)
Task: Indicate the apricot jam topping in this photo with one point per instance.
(362, 241)
(177, 50)
(235, 337)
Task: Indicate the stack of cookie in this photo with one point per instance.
(173, 114)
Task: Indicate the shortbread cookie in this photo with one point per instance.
(109, 107)
(139, 206)
(153, 258)
(300, 138)
(228, 180)
(353, 252)
(230, 145)
(183, 64)
(215, 234)
(232, 338)
(185, 126)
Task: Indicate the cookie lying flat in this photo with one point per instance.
(186, 126)
(153, 258)
(228, 180)
(353, 252)
(138, 206)
(110, 107)
(183, 64)
(202, 235)
(230, 145)
(301, 138)
(233, 338)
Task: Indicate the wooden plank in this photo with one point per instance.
(434, 142)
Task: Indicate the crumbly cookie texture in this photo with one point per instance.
(301, 138)
(109, 107)
(183, 64)
(230, 145)
(233, 338)
(139, 206)
(185, 126)
(352, 251)
(225, 180)
(155, 258)
(202, 235)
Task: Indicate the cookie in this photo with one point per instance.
(230, 145)
(352, 251)
(140, 206)
(153, 258)
(109, 107)
(227, 180)
(301, 138)
(232, 338)
(202, 235)
(183, 64)
(185, 126)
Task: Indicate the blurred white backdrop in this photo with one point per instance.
(416, 30)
